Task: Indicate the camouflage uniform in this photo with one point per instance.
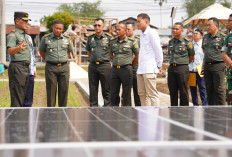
(227, 48)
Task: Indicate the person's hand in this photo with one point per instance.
(22, 45)
(202, 72)
(160, 71)
(35, 74)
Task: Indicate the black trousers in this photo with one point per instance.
(177, 81)
(18, 82)
(29, 94)
(57, 75)
(135, 87)
(122, 76)
(214, 83)
(99, 72)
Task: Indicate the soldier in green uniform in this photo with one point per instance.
(181, 54)
(122, 49)
(227, 57)
(55, 49)
(20, 53)
(213, 66)
(130, 33)
(99, 67)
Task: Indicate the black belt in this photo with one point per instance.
(214, 62)
(120, 66)
(21, 63)
(174, 65)
(57, 64)
(97, 62)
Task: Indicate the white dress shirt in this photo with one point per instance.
(150, 54)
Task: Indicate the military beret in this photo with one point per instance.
(22, 15)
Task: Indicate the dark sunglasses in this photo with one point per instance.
(97, 25)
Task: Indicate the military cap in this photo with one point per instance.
(21, 15)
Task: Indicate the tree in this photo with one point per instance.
(82, 9)
(226, 4)
(195, 6)
(63, 16)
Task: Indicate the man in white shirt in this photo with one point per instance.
(150, 62)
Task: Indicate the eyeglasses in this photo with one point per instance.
(97, 25)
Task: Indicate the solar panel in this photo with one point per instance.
(116, 131)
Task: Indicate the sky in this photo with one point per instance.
(120, 9)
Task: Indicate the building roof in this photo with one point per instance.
(32, 31)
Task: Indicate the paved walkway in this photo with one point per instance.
(81, 77)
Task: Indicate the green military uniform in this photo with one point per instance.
(99, 67)
(123, 51)
(178, 71)
(214, 68)
(57, 69)
(227, 48)
(19, 67)
(135, 86)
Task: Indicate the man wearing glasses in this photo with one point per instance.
(18, 48)
(99, 67)
(227, 56)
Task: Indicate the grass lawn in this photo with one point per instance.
(75, 98)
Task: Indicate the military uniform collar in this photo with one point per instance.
(180, 39)
(53, 36)
(217, 35)
(103, 35)
(19, 30)
(125, 39)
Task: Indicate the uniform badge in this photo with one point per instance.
(115, 45)
(190, 45)
(170, 52)
(126, 46)
(24, 48)
(183, 43)
(12, 35)
(92, 49)
(218, 39)
(136, 46)
(50, 50)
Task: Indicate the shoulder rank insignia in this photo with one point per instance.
(46, 35)
(131, 38)
(14, 30)
(108, 34)
(66, 35)
(91, 35)
(186, 39)
(170, 39)
(223, 34)
(112, 38)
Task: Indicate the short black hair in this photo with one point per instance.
(121, 23)
(215, 20)
(99, 19)
(198, 30)
(144, 16)
(180, 24)
(58, 22)
(230, 15)
(130, 23)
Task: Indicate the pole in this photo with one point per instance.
(3, 33)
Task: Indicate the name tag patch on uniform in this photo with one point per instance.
(12, 35)
(136, 46)
(126, 46)
(50, 50)
(190, 45)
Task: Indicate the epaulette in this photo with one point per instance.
(66, 35)
(170, 39)
(46, 35)
(108, 34)
(91, 35)
(223, 34)
(138, 37)
(14, 30)
(131, 38)
(186, 39)
(112, 38)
